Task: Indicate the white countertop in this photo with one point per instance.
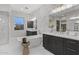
(75, 37)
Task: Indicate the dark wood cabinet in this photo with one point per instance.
(48, 42)
(31, 33)
(52, 44)
(60, 46)
(71, 47)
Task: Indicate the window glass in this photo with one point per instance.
(19, 23)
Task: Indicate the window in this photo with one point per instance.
(19, 23)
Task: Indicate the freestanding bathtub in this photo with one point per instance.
(35, 40)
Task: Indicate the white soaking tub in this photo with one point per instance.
(35, 40)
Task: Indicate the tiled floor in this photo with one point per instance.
(14, 48)
(39, 51)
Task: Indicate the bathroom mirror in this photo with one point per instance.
(19, 23)
(61, 25)
(32, 23)
(57, 25)
(73, 25)
(76, 25)
(51, 23)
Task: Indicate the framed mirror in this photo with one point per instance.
(76, 25)
(30, 24)
(61, 25)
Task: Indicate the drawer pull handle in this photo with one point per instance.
(71, 49)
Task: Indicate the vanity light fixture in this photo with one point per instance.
(77, 17)
(63, 7)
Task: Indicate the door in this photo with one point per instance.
(4, 34)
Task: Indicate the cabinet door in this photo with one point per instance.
(51, 43)
(59, 45)
(70, 47)
(45, 38)
(69, 51)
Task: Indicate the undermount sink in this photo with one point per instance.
(73, 34)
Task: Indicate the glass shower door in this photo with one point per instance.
(4, 29)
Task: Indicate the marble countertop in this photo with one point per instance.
(75, 37)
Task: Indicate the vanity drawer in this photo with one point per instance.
(72, 41)
(69, 51)
(71, 46)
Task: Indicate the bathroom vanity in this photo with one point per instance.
(61, 44)
(31, 33)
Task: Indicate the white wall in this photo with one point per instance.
(17, 33)
(42, 15)
(4, 7)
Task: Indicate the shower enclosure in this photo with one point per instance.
(4, 28)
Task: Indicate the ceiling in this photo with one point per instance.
(28, 8)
